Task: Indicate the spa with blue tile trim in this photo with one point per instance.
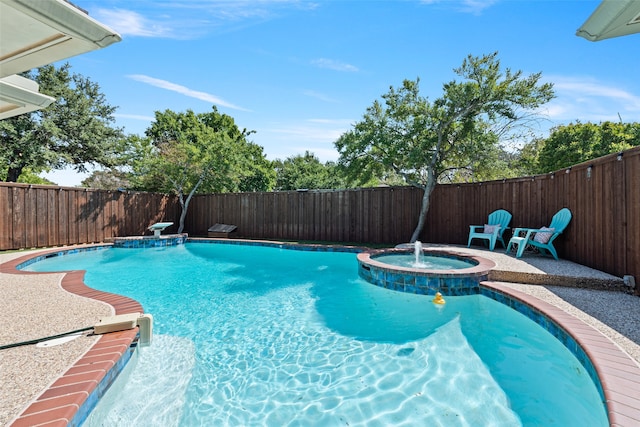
(424, 281)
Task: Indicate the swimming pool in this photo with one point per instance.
(254, 335)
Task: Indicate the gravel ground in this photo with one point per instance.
(34, 306)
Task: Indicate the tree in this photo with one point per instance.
(422, 141)
(75, 130)
(28, 177)
(258, 173)
(109, 179)
(526, 162)
(494, 163)
(186, 152)
(306, 171)
(576, 143)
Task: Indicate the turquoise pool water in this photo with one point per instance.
(429, 262)
(252, 335)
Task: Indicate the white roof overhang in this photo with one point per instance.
(612, 18)
(19, 95)
(34, 33)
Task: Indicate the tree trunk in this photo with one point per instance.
(185, 205)
(183, 213)
(424, 208)
(14, 173)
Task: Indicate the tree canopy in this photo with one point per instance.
(76, 130)
(109, 179)
(187, 152)
(422, 141)
(308, 172)
(579, 142)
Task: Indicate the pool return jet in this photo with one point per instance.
(123, 322)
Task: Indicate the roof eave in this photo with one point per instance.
(612, 18)
(63, 31)
(19, 95)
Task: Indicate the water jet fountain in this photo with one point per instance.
(413, 269)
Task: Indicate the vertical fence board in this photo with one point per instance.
(63, 218)
(6, 221)
(620, 218)
(19, 236)
(632, 225)
(31, 219)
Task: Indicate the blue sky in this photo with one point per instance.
(300, 73)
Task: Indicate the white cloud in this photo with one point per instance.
(130, 23)
(283, 140)
(188, 19)
(308, 133)
(587, 99)
(346, 123)
(592, 88)
(467, 6)
(476, 6)
(203, 96)
(334, 65)
(318, 95)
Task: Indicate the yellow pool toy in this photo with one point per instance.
(438, 299)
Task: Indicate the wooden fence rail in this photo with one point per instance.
(603, 195)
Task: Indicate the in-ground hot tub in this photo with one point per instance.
(424, 271)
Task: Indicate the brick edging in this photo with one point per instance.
(62, 400)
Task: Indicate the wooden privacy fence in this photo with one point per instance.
(380, 215)
(36, 215)
(603, 195)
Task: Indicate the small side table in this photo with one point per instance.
(516, 239)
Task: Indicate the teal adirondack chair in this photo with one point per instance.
(500, 219)
(541, 238)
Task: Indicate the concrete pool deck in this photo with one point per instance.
(48, 385)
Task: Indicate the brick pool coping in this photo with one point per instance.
(62, 403)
